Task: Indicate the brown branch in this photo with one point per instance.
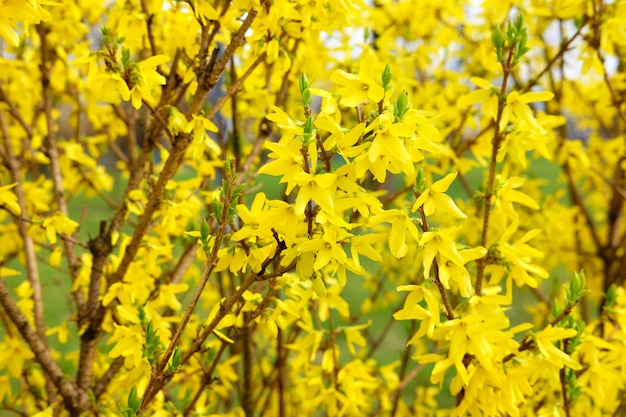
(157, 381)
(212, 259)
(564, 47)
(578, 202)
(15, 113)
(206, 380)
(184, 262)
(99, 388)
(280, 365)
(32, 270)
(403, 368)
(562, 377)
(159, 118)
(442, 289)
(177, 152)
(75, 399)
(149, 19)
(333, 347)
(47, 61)
(498, 136)
(210, 72)
(235, 86)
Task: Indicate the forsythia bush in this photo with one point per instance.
(313, 207)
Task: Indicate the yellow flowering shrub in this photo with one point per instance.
(307, 208)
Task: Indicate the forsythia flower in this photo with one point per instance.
(400, 224)
(413, 309)
(9, 199)
(58, 223)
(555, 355)
(517, 106)
(487, 95)
(433, 198)
(319, 188)
(356, 88)
(13, 12)
(145, 77)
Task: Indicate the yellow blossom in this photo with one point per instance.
(58, 223)
(9, 200)
(356, 88)
(434, 198)
(400, 224)
(544, 340)
(517, 107)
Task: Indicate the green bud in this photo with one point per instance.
(204, 228)
(176, 358)
(402, 105)
(308, 130)
(303, 83)
(576, 289)
(227, 168)
(387, 77)
(306, 97)
(519, 23)
(420, 184)
(497, 38)
(134, 401)
(217, 212)
(142, 315)
(126, 57)
(611, 297)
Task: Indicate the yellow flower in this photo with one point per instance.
(442, 243)
(288, 161)
(325, 248)
(199, 126)
(433, 198)
(127, 340)
(413, 310)
(145, 78)
(13, 12)
(9, 200)
(400, 224)
(553, 354)
(517, 107)
(387, 140)
(507, 194)
(204, 11)
(58, 223)
(519, 255)
(363, 245)
(458, 273)
(487, 95)
(357, 88)
(319, 188)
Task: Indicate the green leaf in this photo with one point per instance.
(126, 57)
(610, 297)
(217, 212)
(204, 228)
(387, 78)
(134, 402)
(402, 105)
(497, 38)
(420, 184)
(308, 130)
(303, 83)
